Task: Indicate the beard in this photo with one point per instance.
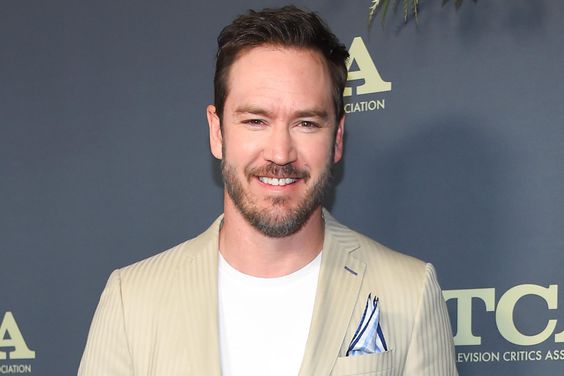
(275, 221)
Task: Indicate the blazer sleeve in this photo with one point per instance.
(107, 351)
(431, 350)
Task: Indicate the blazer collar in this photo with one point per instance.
(338, 286)
(340, 279)
(198, 289)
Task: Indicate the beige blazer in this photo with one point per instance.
(159, 316)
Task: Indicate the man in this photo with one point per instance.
(275, 286)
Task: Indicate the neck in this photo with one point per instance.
(251, 252)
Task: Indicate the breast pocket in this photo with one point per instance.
(379, 364)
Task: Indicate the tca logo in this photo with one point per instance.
(365, 70)
(12, 343)
(504, 312)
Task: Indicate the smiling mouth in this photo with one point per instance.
(276, 181)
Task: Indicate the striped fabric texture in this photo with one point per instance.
(159, 316)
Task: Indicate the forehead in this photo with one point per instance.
(284, 76)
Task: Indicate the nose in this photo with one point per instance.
(280, 148)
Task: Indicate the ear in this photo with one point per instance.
(339, 135)
(216, 138)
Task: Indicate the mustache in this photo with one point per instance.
(277, 171)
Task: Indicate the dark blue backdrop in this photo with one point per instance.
(104, 161)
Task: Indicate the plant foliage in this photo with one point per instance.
(410, 8)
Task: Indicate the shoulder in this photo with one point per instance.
(369, 250)
(155, 272)
(375, 254)
(387, 270)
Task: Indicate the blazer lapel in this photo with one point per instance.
(338, 288)
(340, 279)
(198, 284)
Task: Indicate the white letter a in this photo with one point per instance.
(10, 336)
(367, 71)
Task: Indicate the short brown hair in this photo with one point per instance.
(288, 26)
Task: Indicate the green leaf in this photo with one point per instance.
(372, 9)
(385, 5)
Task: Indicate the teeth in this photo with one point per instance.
(275, 181)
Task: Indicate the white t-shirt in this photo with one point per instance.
(264, 322)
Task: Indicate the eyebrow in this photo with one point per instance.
(320, 113)
(251, 110)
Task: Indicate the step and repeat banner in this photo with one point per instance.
(454, 153)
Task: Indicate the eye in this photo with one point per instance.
(309, 125)
(254, 122)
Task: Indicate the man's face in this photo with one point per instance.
(279, 137)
